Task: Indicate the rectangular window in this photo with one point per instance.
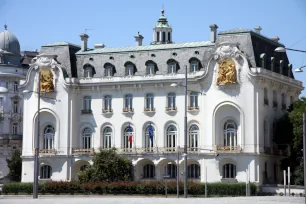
(171, 101)
(108, 103)
(15, 128)
(129, 102)
(15, 106)
(172, 68)
(164, 37)
(15, 86)
(87, 103)
(194, 100)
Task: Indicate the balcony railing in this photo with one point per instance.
(193, 108)
(80, 151)
(108, 110)
(228, 149)
(86, 111)
(46, 151)
(149, 109)
(171, 109)
(128, 110)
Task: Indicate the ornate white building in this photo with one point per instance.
(13, 68)
(111, 97)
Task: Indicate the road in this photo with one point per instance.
(148, 200)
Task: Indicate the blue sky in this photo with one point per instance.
(115, 22)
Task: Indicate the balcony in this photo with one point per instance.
(128, 110)
(228, 149)
(193, 108)
(149, 109)
(86, 111)
(171, 109)
(266, 101)
(46, 151)
(79, 151)
(107, 111)
(274, 104)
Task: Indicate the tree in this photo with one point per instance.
(107, 166)
(15, 166)
(289, 131)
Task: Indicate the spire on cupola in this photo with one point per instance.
(162, 32)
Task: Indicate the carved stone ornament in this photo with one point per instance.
(227, 51)
(227, 73)
(46, 80)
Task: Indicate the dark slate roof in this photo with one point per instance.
(61, 44)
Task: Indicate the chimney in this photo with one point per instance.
(275, 38)
(84, 39)
(258, 29)
(138, 39)
(98, 46)
(213, 33)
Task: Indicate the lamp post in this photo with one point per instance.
(283, 49)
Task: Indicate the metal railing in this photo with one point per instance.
(227, 149)
(81, 151)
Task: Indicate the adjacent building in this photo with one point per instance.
(13, 67)
(124, 97)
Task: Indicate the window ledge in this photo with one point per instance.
(149, 110)
(107, 111)
(128, 110)
(171, 109)
(193, 109)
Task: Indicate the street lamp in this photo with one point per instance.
(283, 49)
(3, 90)
(300, 69)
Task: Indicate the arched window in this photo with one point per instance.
(150, 102)
(149, 138)
(130, 69)
(230, 134)
(48, 137)
(173, 66)
(151, 67)
(148, 171)
(109, 70)
(45, 172)
(194, 171)
(107, 137)
(171, 138)
(128, 137)
(89, 71)
(107, 103)
(194, 66)
(171, 101)
(193, 138)
(128, 103)
(86, 138)
(171, 170)
(83, 167)
(266, 99)
(194, 96)
(229, 171)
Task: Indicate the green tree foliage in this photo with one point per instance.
(107, 166)
(15, 166)
(289, 131)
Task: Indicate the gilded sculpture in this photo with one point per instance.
(227, 72)
(46, 80)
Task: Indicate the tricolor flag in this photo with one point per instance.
(129, 130)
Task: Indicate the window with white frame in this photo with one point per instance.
(171, 138)
(150, 69)
(128, 137)
(87, 103)
(128, 101)
(172, 68)
(107, 137)
(229, 171)
(171, 100)
(108, 72)
(194, 171)
(129, 70)
(45, 172)
(49, 133)
(171, 170)
(230, 134)
(193, 138)
(108, 102)
(149, 139)
(15, 128)
(194, 66)
(86, 138)
(88, 72)
(148, 171)
(150, 101)
(16, 86)
(15, 106)
(194, 96)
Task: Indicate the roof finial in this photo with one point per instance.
(5, 27)
(163, 11)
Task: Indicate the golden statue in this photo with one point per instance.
(227, 72)
(46, 81)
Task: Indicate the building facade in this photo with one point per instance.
(124, 98)
(13, 68)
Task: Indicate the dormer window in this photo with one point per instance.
(173, 66)
(195, 65)
(89, 71)
(130, 69)
(109, 70)
(151, 68)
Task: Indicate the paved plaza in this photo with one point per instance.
(148, 200)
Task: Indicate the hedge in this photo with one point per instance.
(132, 187)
